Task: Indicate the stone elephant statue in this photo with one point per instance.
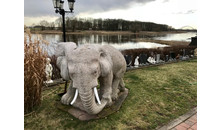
(84, 66)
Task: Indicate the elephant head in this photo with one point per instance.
(84, 66)
(62, 51)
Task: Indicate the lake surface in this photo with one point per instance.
(121, 42)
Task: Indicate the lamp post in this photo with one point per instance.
(58, 5)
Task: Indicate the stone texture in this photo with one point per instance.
(189, 122)
(115, 106)
(179, 127)
(85, 66)
(185, 125)
(84, 116)
(194, 127)
(81, 115)
(55, 82)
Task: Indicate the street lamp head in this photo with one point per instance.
(71, 4)
(56, 4)
(61, 4)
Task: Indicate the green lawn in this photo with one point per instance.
(156, 96)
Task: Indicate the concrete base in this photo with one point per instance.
(55, 82)
(84, 116)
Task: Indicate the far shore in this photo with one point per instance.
(105, 32)
(88, 32)
(171, 42)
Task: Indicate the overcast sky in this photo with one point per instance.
(175, 13)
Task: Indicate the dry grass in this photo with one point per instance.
(34, 70)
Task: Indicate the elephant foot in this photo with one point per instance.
(108, 98)
(122, 89)
(122, 85)
(66, 99)
(115, 95)
(109, 104)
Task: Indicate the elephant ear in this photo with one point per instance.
(105, 62)
(65, 48)
(63, 52)
(62, 64)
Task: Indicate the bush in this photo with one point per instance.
(163, 51)
(34, 70)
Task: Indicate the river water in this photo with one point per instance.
(121, 42)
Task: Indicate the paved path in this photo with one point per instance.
(187, 121)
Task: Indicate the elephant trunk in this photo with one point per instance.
(89, 103)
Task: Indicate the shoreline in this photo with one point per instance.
(88, 32)
(106, 32)
(164, 42)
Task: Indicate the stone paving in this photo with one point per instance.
(188, 121)
(189, 124)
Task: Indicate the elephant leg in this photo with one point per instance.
(115, 89)
(105, 88)
(121, 85)
(69, 95)
(117, 84)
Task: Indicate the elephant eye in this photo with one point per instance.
(95, 72)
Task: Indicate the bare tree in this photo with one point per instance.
(68, 23)
(43, 24)
(52, 25)
(74, 24)
(100, 25)
(59, 23)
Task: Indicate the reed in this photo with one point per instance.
(34, 70)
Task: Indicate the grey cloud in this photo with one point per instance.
(37, 8)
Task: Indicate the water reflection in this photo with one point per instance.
(177, 37)
(120, 42)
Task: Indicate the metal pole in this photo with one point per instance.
(64, 31)
(64, 39)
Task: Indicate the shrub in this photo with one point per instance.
(160, 50)
(34, 70)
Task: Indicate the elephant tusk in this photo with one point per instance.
(74, 99)
(96, 95)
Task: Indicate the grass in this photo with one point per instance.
(157, 95)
